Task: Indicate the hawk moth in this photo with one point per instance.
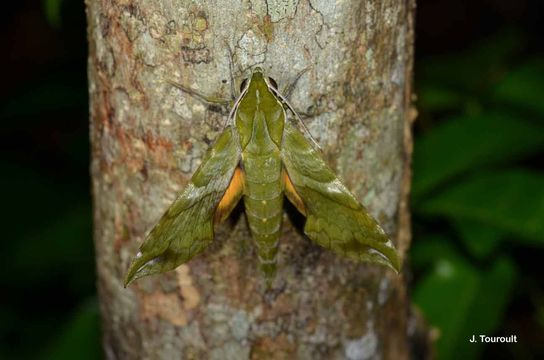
(262, 157)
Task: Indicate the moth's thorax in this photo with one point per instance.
(260, 116)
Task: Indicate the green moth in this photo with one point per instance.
(262, 157)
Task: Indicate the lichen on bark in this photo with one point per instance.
(148, 137)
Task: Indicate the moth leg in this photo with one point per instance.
(209, 101)
(288, 90)
(233, 92)
(311, 113)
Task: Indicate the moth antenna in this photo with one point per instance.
(230, 119)
(297, 116)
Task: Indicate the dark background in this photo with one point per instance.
(478, 188)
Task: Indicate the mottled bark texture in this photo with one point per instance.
(148, 137)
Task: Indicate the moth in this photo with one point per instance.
(262, 157)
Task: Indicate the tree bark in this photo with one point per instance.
(148, 137)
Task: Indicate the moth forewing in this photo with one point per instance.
(335, 219)
(186, 228)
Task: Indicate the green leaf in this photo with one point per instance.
(52, 9)
(50, 250)
(473, 70)
(462, 301)
(470, 142)
(426, 249)
(481, 240)
(436, 98)
(524, 86)
(512, 201)
(445, 296)
(51, 93)
(487, 309)
(60, 242)
(81, 336)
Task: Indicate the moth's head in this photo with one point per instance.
(258, 80)
(257, 72)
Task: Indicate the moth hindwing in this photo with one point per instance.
(262, 157)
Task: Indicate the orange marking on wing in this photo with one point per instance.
(232, 195)
(292, 194)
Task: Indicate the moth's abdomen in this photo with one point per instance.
(263, 200)
(265, 225)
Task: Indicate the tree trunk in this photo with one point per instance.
(148, 137)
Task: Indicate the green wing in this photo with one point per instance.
(186, 228)
(334, 218)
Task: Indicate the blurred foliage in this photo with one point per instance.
(478, 187)
(53, 10)
(49, 307)
(478, 197)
